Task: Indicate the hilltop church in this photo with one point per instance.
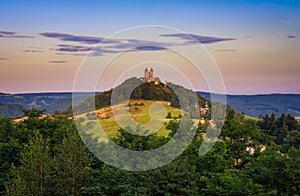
(149, 76)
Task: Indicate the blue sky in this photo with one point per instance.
(266, 35)
(76, 16)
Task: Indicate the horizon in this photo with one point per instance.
(45, 92)
(254, 43)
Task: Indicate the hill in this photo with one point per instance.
(10, 110)
(134, 99)
(141, 90)
(36, 100)
(139, 110)
(11, 104)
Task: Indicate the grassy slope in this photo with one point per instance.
(140, 113)
(246, 117)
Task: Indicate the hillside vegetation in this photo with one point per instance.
(138, 111)
(136, 89)
(45, 156)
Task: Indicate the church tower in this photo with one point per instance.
(149, 76)
(146, 73)
(151, 73)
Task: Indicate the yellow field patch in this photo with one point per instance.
(138, 110)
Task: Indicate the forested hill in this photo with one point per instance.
(140, 90)
(255, 105)
(12, 104)
(10, 110)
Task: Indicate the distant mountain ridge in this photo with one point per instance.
(10, 110)
(252, 105)
(12, 104)
(255, 105)
(33, 99)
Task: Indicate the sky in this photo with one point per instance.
(255, 44)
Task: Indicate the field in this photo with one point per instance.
(149, 115)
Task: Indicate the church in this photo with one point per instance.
(149, 76)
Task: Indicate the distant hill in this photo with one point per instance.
(36, 100)
(255, 105)
(252, 105)
(10, 110)
(11, 104)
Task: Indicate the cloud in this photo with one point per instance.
(72, 48)
(73, 54)
(140, 45)
(33, 51)
(9, 34)
(3, 59)
(225, 50)
(135, 44)
(149, 47)
(100, 51)
(116, 43)
(144, 42)
(192, 38)
(76, 38)
(122, 46)
(21, 36)
(111, 46)
(292, 36)
(58, 61)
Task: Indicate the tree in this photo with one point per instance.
(71, 166)
(277, 171)
(169, 115)
(176, 178)
(238, 137)
(33, 113)
(137, 93)
(9, 149)
(291, 123)
(272, 122)
(229, 113)
(32, 177)
(292, 139)
(230, 182)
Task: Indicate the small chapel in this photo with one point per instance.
(149, 76)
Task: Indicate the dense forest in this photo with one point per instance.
(45, 156)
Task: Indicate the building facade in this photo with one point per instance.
(149, 76)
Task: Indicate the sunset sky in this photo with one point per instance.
(256, 44)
